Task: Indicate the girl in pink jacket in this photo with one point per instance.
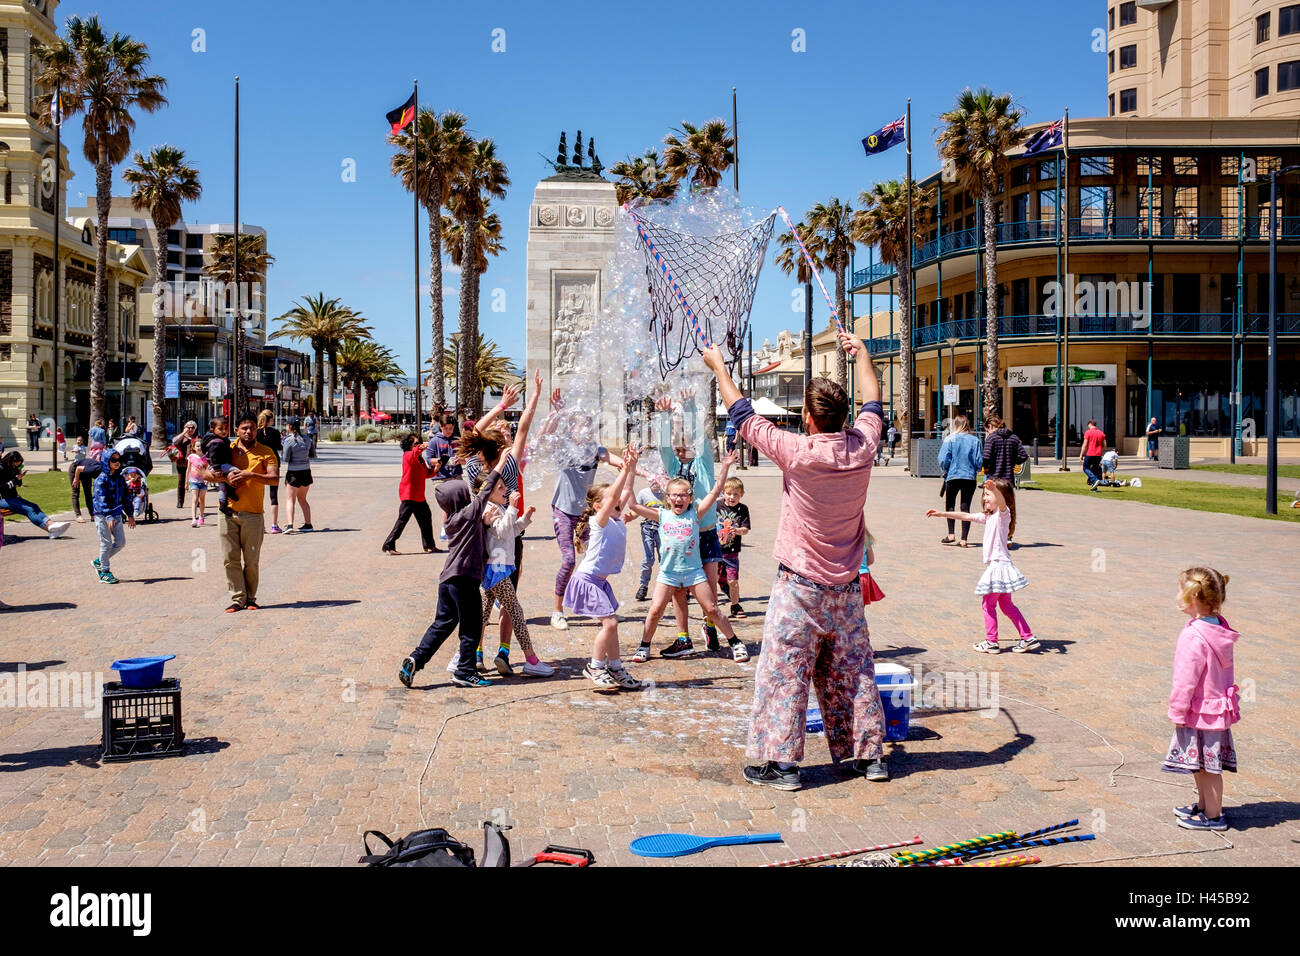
(1203, 703)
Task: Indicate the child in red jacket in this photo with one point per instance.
(1203, 703)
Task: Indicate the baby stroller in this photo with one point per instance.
(134, 455)
(137, 484)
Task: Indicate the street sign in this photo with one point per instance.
(951, 394)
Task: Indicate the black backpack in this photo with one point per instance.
(437, 847)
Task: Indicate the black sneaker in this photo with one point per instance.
(770, 775)
(682, 647)
(874, 770)
(224, 508)
(641, 593)
(710, 637)
(474, 681)
(306, 527)
(406, 673)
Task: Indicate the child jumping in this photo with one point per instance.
(733, 524)
(459, 604)
(680, 566)
(1000, 578)
(1204, 702)
(504, 528)
(603, 547)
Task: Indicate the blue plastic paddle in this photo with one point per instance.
(682, 844)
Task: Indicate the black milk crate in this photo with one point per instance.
(143, 721)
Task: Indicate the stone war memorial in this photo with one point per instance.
(571, 244)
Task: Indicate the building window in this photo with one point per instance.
(1128, 101)
(1047, 169)
(1111, 21)
(1262, 27)
(1112, 104)
(1261, 82)
(1096, 166)
(1020, 207)
(1148, 165)
(1128, 13)
(1185, 210)
(1020, 175)
(1047, 205)
(1185, 165)
(1288, 75)
(1228, 165)
(1096, 207)
(1150, 209)
(1128, 56)
(1229, 211)
(1110, 59)
(122, 235)
(1288, 20)
(193, 242)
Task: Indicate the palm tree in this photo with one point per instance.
(700, 153)
(642, 179)
(445, 150)
(325, 323)
(161, 182)
(491, 369)
(883, 223)
(830, 228)
(254, 260)
(104, 78)
(483, 178)
(979, 131)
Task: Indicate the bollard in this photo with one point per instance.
(1035, 451)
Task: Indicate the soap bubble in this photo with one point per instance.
(614, 400)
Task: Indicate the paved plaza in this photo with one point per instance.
(300, 737)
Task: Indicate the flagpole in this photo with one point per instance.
(911, 285)
(57, 115)
(237, 372)
(415, 204)
(1065, 313)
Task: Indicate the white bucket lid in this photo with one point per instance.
(885, 668)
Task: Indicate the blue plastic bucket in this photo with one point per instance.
(814, 723)
(141, 671)
(895, 684)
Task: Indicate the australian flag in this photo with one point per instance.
(1049, 137)
(891, 134)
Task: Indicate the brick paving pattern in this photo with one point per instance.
(300, 737)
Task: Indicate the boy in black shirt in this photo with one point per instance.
(733, 524)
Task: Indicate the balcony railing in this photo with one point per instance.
(1096, 229)
(1025, 326)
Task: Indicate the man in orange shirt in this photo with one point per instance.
(1094, 445)
(255, 467)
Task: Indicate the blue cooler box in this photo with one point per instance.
(896, 685)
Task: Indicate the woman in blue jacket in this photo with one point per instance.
(961, 456)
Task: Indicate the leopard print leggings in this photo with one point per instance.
(504, 594)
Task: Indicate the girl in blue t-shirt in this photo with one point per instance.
(680, 565)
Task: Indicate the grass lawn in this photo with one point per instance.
(1194, 495)
(1283, 471)
(50, 490)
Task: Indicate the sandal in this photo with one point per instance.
(964, 544)
(948, 539)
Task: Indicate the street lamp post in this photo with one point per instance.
(952, 366)
(1271, 397)
(1232, 380)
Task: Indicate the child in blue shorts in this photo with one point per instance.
(680, 565)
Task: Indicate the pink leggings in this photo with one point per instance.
(991, 604)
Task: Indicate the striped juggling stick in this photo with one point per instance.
(1058, 826)
(672, 280)
(1020, 859)
(840, 854)
(907, 858)
(835, 312)
(1019, 844)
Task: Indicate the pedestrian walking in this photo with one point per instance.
(1094, 445)
(961, 457)
(242, 525)
(295, 458)
(1153, 439)
(110, 512)
(81, 480)
(61, 443)
(1002, 450)
(99, 434)
(183, 442)
(269, 435)
(815, 629)
(311, 427)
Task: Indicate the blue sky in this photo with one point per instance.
(316, 80)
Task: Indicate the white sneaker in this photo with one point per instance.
(558, 622)
(57, 528)
(540, 669)
(451, 664)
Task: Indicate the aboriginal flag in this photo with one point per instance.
(401, 117)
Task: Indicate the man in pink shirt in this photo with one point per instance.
(1094, 446)
(815, 627)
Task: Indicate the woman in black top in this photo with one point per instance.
(270, 437)
(183, 439)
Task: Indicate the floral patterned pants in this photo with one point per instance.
(818, 635)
